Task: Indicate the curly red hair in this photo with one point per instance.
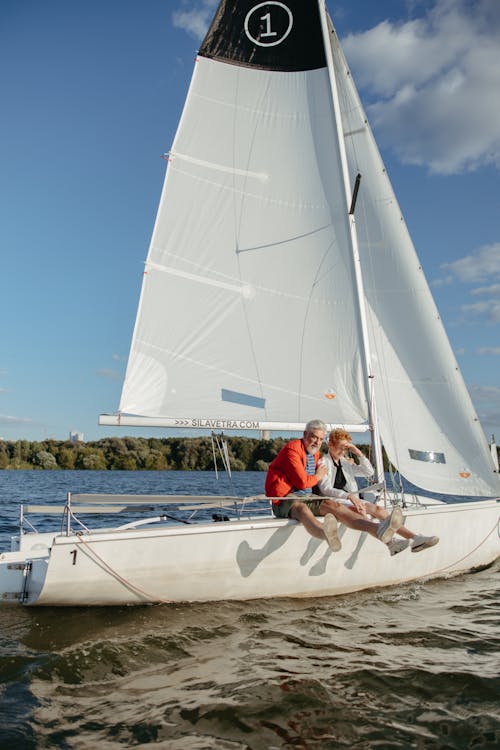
(339, 434)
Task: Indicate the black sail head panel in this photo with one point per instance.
(282, 35)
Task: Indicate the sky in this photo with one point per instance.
(91, 92)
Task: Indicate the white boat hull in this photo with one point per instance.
(239, 560)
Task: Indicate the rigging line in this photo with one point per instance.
(77, 520)
(397, 489)
(120, 578)
(286, 240)
(221, 443)
(214, 455)
(225, 447)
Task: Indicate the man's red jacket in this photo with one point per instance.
(288, 471)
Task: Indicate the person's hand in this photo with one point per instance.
(358, 504)
(354, 449)
(321, 471)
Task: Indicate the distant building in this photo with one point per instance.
(76, 437)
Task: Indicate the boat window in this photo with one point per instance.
(430, 456)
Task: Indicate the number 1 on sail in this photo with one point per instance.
(268, 32)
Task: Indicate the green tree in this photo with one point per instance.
(155, 461)
(261, 465)
(45, 460)
(21, 452)
(4, 455)
(125, 463)
(94, 461)
(66, 458)
(237, 465)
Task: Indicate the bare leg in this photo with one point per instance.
(348, 517)
(302, 513)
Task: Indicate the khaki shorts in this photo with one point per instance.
(283, 508)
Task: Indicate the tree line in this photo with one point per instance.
(135, 453)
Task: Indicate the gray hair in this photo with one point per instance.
(315, 424)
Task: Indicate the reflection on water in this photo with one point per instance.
(415, 666)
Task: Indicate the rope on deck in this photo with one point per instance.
(137, 589)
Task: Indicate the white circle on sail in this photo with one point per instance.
(269, 37)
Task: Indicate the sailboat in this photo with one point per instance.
(281, 285)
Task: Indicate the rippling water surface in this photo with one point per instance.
(415, 666)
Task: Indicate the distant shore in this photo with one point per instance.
(141, 454)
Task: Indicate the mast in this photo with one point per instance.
(350, 206)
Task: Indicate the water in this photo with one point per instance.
(415, 666)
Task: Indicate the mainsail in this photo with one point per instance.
(248, 304)
(249, 308)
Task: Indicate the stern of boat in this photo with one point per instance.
(23, 569)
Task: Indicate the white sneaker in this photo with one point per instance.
(331, 533)
(388, 527)
(423, 542)
(397, 545)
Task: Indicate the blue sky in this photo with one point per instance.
(91, 92)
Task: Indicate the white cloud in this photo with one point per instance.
(437, 80)
(6, 419)
(489, 350)
(493, 289)
(489, 308)
(445, 281)
(489, 393)
(487, 398)
(482, 265)
(194, 16)
(490, 419)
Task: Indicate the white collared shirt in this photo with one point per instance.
(326, 485)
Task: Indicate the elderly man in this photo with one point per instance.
(290, 481)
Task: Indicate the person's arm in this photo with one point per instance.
(351, 470)
(296, 471)
(351, 489)
(364, 468)
(358, 504)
